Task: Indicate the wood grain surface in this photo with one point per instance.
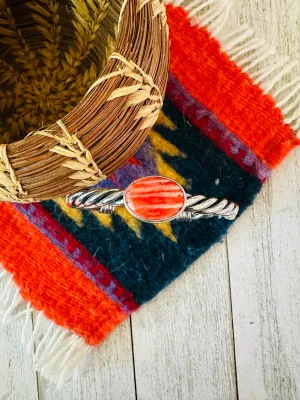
(229, 328)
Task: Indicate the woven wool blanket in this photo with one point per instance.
(228, 119)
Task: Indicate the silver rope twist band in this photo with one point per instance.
(102, 200)
(202, 207)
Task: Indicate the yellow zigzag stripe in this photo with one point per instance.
(163, 146)
(75, 215)
(165, 169)
(165, 121)
(132, 222)
(104, 219)
(166, 230)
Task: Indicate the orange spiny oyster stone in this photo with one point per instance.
(154, 199)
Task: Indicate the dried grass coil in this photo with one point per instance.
(117, 106)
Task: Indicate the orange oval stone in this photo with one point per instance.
(154, 199)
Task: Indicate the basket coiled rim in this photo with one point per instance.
(109, 124)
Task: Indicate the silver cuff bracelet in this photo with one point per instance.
(154, 199)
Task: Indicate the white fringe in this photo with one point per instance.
(255, 58)
(252, 55)
(57, 352)
(210, 13)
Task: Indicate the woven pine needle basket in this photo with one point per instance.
(81, 83)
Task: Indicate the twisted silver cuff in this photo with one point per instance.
(194, 207)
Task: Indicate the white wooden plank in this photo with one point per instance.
(108, 376)
(183, 344)
(264, 256)
(17, 376)
(264, 251)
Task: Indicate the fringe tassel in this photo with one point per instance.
(252, 55)
(210, 13)
(255, 58)
(57, 353)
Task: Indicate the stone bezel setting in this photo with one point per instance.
(157, 221)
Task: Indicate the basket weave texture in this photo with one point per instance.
(82, 82)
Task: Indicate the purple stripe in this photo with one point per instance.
(128, 173)
(227, 141)
(79, 258)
